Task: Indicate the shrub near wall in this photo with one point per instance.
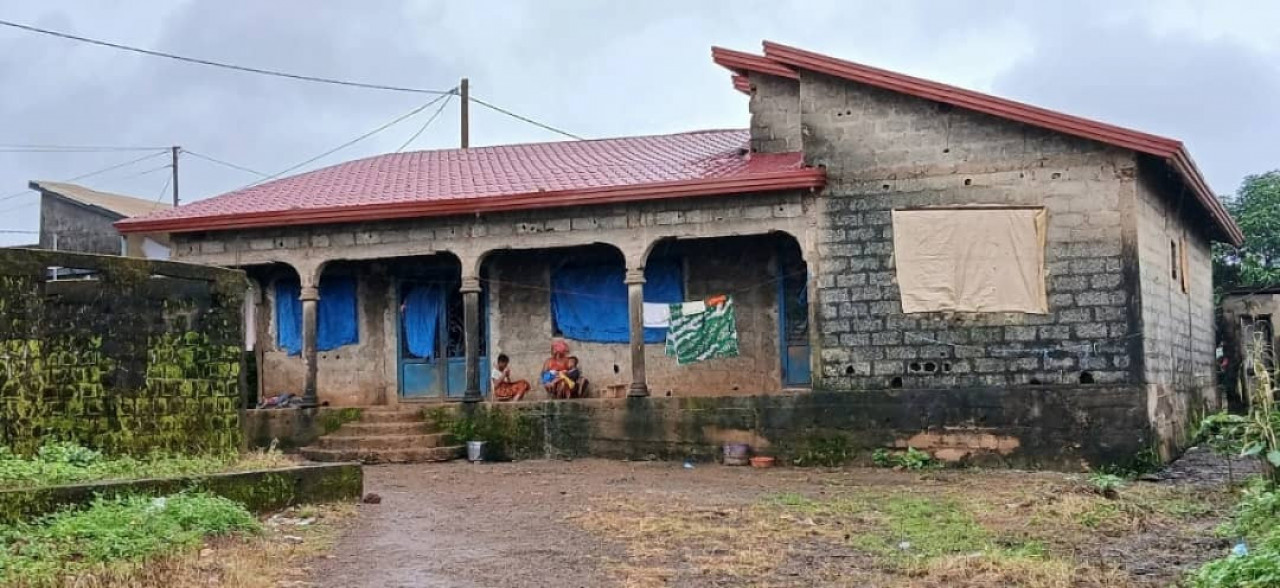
(145, 356)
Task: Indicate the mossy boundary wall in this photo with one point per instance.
(260, 491)
(124, 355)
(1068, 428)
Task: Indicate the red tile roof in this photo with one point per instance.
(782, 60)
(483, 179)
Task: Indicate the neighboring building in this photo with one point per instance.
(978, 274)
(80, 219)
(1248, 337)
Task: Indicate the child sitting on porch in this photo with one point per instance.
(571, 375)
(504, 388)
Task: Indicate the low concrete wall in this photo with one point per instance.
(293, 428)
(260, 491)
(1069, 428)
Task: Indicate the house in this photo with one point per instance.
(79, 219)
(1248, 338)
(910, 263)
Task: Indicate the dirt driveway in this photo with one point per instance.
(604, 523)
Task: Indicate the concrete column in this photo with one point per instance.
(635, 311)
(471, 331)
(310, 297)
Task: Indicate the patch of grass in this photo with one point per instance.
(63, 463)
(332, 420)
(924, 528)
(113, 535)
(1106, 484)
(824, 451)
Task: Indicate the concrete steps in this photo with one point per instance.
(428, 454)
(385, 436)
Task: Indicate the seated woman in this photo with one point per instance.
(504, 388)
(560, 375)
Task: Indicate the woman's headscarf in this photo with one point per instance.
(559, 347)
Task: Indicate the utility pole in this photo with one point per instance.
(176, 150)
(465, 90)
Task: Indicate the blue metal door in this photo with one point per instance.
(432, 361)
(793, 318)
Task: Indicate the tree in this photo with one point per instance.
(1256, 208)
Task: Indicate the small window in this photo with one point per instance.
(1183, 266)
(970, 260)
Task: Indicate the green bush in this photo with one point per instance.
(1256, 520)
(911, 459)
(120, 531)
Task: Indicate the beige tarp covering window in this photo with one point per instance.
(970, 260)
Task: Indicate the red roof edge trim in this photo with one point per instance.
(788, 180)
(1171, 150)
(1002, 107)
(740, 62)
(1186, 167)
(741, 84)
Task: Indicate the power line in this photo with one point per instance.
(150, 171)
(164, 189)
(424, 126)
(384, 127)
(223, 163)
(524, 118)
(230, 66)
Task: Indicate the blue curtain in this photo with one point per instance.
(337, 315)
(421, 317)
(288, 317)
(589, 301)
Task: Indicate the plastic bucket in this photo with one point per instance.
(736, 454)
(475, 451)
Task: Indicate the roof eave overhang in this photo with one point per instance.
(805, 178)
(742, 63)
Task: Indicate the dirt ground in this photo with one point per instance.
(603, 523)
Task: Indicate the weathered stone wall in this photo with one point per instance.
(69, 226)
(1069, 428)
(520, 318)
(884, 151)
(125, 362)
(1178, 325)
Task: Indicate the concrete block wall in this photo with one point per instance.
(69, 226)
(359, 374)
(1179, 342)
(884, 151)
(520, 321)
(775, 114)
(365, 373)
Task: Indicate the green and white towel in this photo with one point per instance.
(699, 332)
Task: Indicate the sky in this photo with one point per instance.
(1207, 73)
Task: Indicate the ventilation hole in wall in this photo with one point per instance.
(915, 366)
(947, 150)
(884, 187)
(1056, 175)
(839, 114)
(896, 382)
(848, 370)
(1034, 381)
(1086, 377)
(616, 369)
(668, 393)
(968, 182)
(930, 367)
(848, 113)
(946, 367)
(735, 388)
